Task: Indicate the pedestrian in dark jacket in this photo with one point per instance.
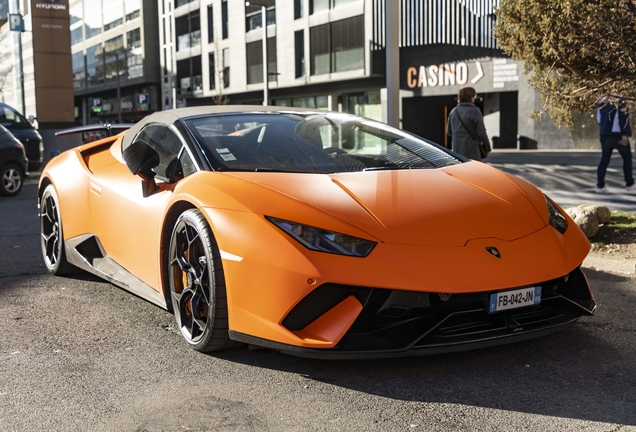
(473, 125)
(615, 131)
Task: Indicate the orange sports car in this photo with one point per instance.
(313, 233)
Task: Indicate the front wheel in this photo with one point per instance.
(51, 236)
(197, 284)
(11, 180)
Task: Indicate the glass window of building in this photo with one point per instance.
(254, 17)
(113, 14)
(255, 61)
(188, 31)
(93, 18)
(115, 58)
(132, 9)
(226, 67)
(319, 49)
(133, 39)
(298, 9)
(76, 13)
(224, 19)
(337, 46)
(134, 57)
(318, 6)
(212, 70)
(323, 5)
(347, 44)
(299, 53)
(210, 24)
(338, 3)
(189, 76)
(316, 102)
(77, 35)
(95, 65)
(178, 3)
(79, 70)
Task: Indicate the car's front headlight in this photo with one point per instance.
(556, 218)
(321, 240)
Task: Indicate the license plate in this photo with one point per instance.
(515, 299)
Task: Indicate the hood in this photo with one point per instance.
(27, 133)
(428, 207)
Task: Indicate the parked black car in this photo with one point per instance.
(26, 133)
(13, 163)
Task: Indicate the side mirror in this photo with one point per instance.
(140, 159)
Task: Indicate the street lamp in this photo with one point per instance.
(264, 25)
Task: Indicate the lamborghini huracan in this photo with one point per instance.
(318, 234)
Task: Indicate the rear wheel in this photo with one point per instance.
(197, 284)
(51, 236)
(11, 180)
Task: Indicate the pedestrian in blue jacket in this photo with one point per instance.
(615, 132)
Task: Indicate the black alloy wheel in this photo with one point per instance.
(11, 180)
(51, 236)
(197, 284)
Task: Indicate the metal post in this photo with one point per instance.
(393, 62)
(265, 73)
(118, 88)
(21, 74)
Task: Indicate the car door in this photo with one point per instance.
(127, 223)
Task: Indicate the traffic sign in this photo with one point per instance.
(16, 23)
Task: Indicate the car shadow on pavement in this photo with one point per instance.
(585, 372)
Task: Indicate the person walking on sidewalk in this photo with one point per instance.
(615, 131)
(466, 125)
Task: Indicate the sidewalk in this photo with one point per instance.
(567, 176)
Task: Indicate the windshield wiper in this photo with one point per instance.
(264, 169)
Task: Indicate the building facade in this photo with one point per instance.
(115, 59)
(317, 51)
(330, 54)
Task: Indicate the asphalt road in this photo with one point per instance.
(79, 354)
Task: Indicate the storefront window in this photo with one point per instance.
(367, 104)
(315, 102)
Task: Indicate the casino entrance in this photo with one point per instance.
(426, 116)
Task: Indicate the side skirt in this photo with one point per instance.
(86, 252)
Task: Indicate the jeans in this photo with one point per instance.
(608, 144)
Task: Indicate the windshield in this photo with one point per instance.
(311, 143)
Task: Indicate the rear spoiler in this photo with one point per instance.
(111, 129)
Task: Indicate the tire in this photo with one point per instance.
(51, 234)
(197, 284)
(11, 180)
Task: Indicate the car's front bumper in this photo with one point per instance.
(397, 323)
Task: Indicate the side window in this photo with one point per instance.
(187, 166)
(9, 117)
(168, 145)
